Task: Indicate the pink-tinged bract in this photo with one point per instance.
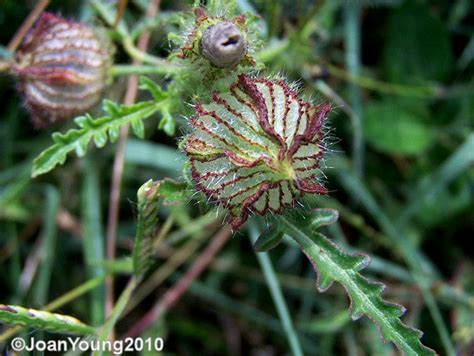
(61, 67)
(256, 148)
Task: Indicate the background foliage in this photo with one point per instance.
(400, 75)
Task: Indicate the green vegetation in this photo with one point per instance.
(106, 235)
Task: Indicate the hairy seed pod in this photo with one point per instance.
(223, 44)
(62, 69)
(256, 148)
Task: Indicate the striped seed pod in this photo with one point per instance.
(62, 69)
(256, 148)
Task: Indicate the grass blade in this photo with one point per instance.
(93, 246)
(277, 295)
(48, 237)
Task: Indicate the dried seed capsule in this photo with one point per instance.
(216, 43)
(62, 69)
(256, 148)
(223, 44)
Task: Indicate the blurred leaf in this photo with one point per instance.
(395, 128)
(11, 208)
(446, 203)
(327, 324)
(417, 46)
(122, 265)
(154, 155)
(269, 238)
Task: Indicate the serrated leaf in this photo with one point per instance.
(269, 238)
(37, 319)
(97, 130)
(334, 265)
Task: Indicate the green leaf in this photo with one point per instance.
(269, 239)
(395, 128)
(167, 122)
(11, 207)
(334, 265)
(417, 46)
(323, 217)
(327, 324)
(117, 266)
(147, 226)
(173, 192)
(155, 90)
(38, 319)
(158, 156)
(97, 130)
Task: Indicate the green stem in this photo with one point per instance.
(277, 295)
(384, 87)
(126, 69)
(273, 50)
(118, 309)
(144, 57)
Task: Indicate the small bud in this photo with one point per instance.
(62, 69)
(256, 148)
(217, 42)
(223, 44)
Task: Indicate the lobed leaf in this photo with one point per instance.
(38, 319)
(334, 265)
(98, 130)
